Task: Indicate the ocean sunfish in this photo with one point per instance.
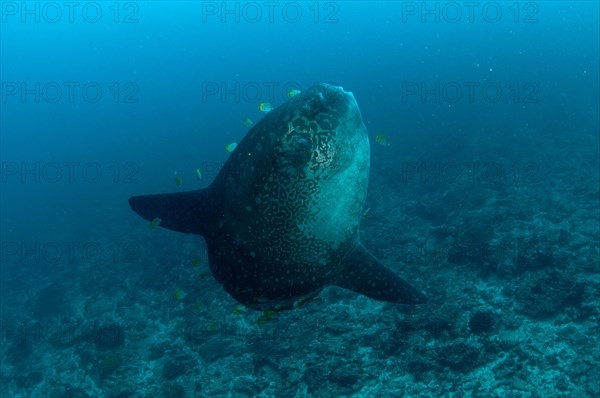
(281, 219)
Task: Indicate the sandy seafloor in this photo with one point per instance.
(510, 267)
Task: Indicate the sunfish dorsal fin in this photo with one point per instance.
(190, 212)
(362, 273)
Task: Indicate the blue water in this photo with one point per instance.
(492, 118)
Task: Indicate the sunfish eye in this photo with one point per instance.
(302, 143)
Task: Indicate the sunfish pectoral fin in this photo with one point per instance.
(188, 212)
(364, 274)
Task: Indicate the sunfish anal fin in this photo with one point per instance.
(364, 274)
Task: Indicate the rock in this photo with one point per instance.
(546, 293)
(156, 351)
(215, 349)
(109, 337)
(592, 385)
(110, 363)
(345, 376)
(173, 369)
(459, 357)
(519, 384)
(29, 380)
(171, 390)
(481, 322)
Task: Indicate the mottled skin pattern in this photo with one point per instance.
(292, 197)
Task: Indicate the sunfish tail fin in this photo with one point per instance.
(188, 212)
(364, 274)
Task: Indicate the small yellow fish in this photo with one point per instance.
(382, 140)
(267, 316)
(178, 294)
(300, 302)
(293, 93)
(261, 299)
(178, 181)
(247, 122)
(231, 147)
(195, 262)
(303, 300)
(265, 107)
(199, 174)
(213, 326)
(203, 276)
(198, 306)
(154, 223)
(239, 309)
